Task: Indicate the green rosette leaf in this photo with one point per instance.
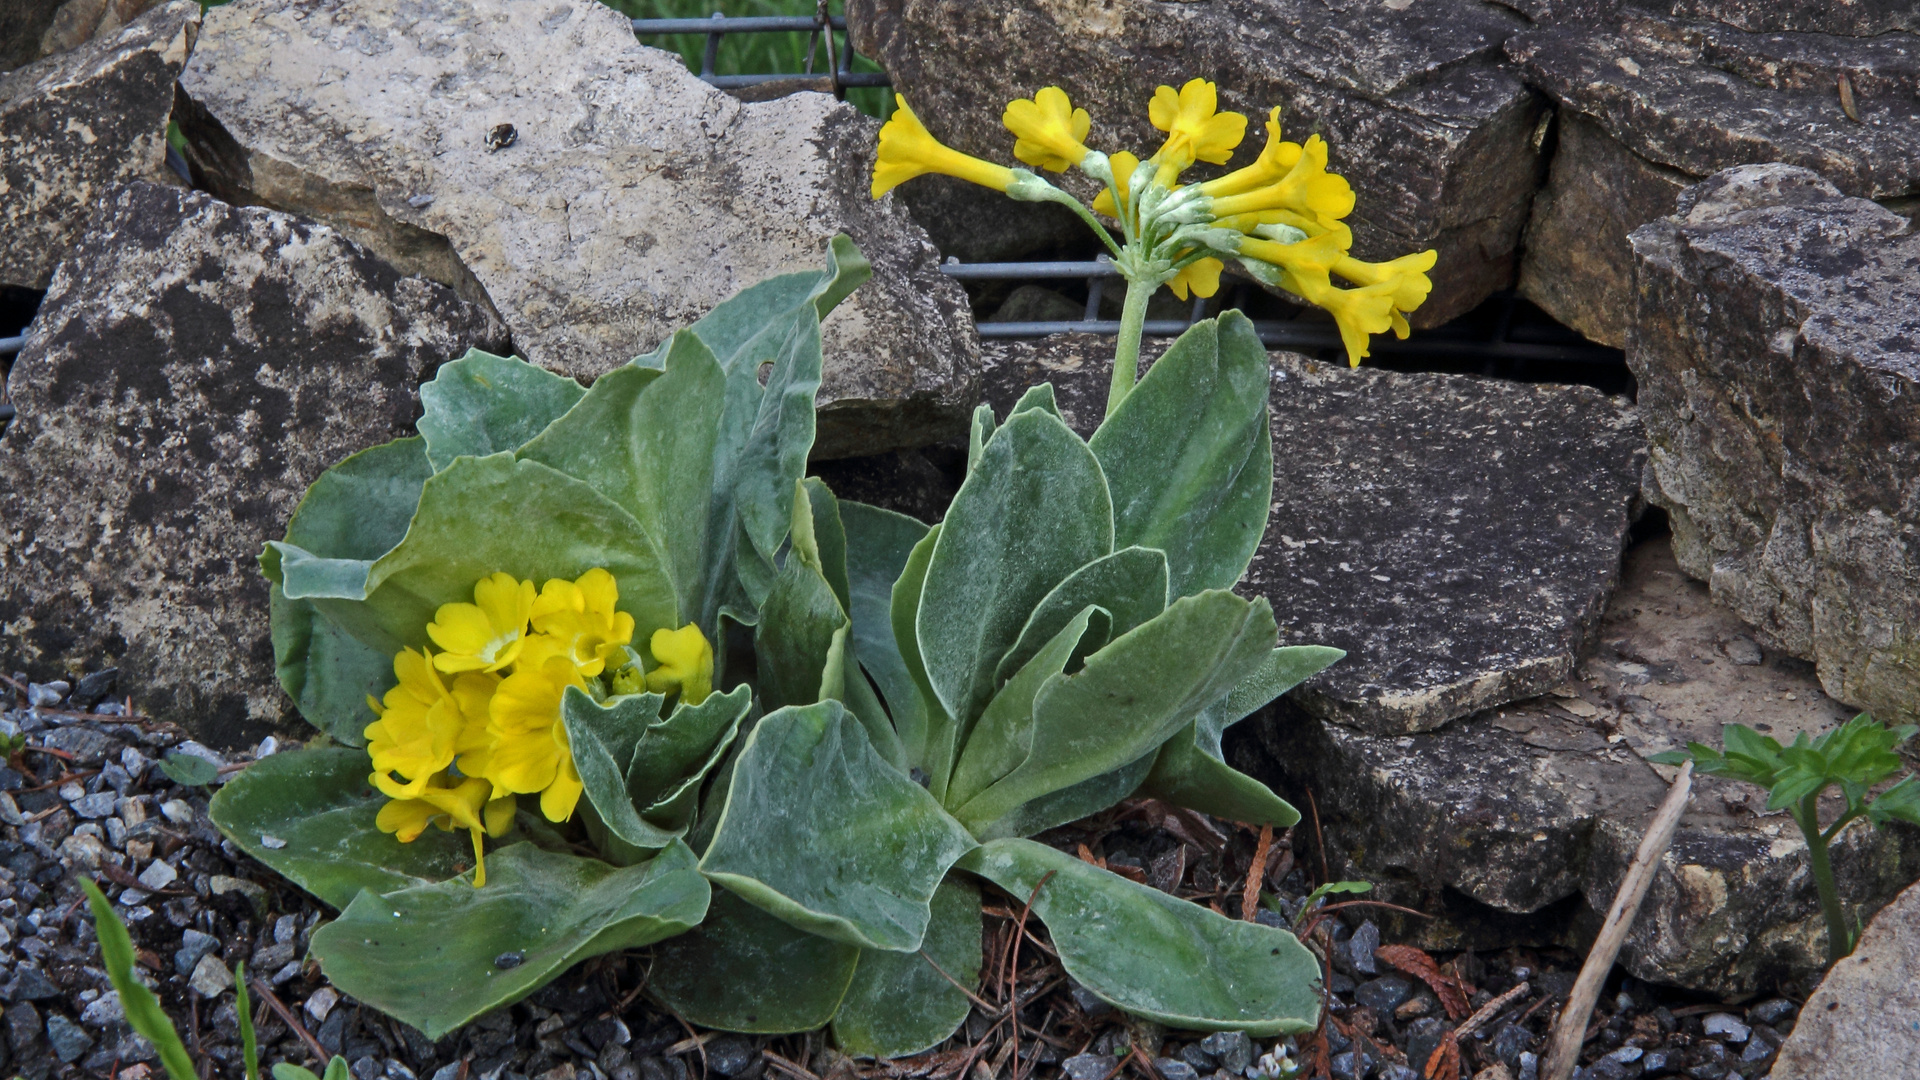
(603, 739)
(820, 831)
(484, 404)
(744, 970)
(1155, 955)
(901, 1003)
(430, 955)
(309, 815)
(677, 754)
(879, 543)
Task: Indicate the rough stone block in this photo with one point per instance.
(1543, 802)
(1435, 129)
(1651, 104)
(536, 158)
(1457, 536)
(1861, 1022)
(194, 367)
(76, 125)
(1777, 348)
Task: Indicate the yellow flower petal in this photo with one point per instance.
(1359, 313)
(1203, 278)
(420, 723)
(1049, 133)
(1195, 130)
(559, 799)
(1307, 188)
(579, 617)
(1408, 274)
(406, 819)
(686, 664)
(1124, 165)
(485, 635)
(908, 150)
(1276, 159)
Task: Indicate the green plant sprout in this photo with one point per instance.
(1853, 757)
(145, 1016)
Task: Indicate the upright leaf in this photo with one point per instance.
(141, 1007)
(744, 970)
(1130, 586)
(800, 643)
(646, 440)
(1131, 697)
(901, 1003)
(476, 517)
(437, 956)
(602, 739)
(358, 509)
(484, 404)
(1189, 456)
(677, 753)
(934, 756)
(309, 815)
(821, 832)
(1003, 737)
(879, 543)
(1155, 955)
(1032, 511)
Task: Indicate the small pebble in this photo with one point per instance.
(267, 748)
(1175, 1069)
(321, 1002)
(193, 946)
(395, 1070)
(1726, 1026)
(1627, 1055)
(1232, 1049)
(1090, 1003)
(366, 1068)
(68, 1039)
(97, 805)
(210, 977)
(177, 811)
(47, 695)
(1360, 947)
(284, 928)
(158, 875)
(1087, 1066)
(730, 1055)
(1771, 1012)
(1384, 994)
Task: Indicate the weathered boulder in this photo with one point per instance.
(1862, 1020)
(194, 367)
(1777, 348)
(535, 157)
(1536, 808)
(1457, 536)
(22, 22)
(81, 21)
(1848, 18)
(74, 126)
(1652, 104)
(1435, 129)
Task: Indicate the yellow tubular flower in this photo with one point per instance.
(1203, 278)
(448, 806)
(1308, 187)
(686, 664)
(1359, 313)
(1049, 133)
(485, 635)
(1195, 131)
(530, 752)
(1276, 159)
(580, 616)
(1408, 273)
(908, 150)
(1123, 166)
(1311, 224)
(1313, 257)
(421, 720)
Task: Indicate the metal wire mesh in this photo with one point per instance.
(839, 78)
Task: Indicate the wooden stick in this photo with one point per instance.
(1570, 1032)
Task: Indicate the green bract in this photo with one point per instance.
(1063, 640)
(919, 701)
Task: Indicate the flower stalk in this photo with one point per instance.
(1278, 218)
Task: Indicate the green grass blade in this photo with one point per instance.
(242, 1004)
(142, 1008)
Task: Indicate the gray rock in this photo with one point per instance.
(1359, 948)
(1860, 1022)
(1089, 1002)
(1088, 1066)
(22, 22)
(74, 126)
(68, 1039)
(1384, 994)
(1438, 134)
(1175, 1069)
(29, 984)
(732, 1055)
(88, 747)
(1441, 613)
(46, 695)
(1726, 1027)
(104, 1011)
(1521, 807)
(976, 224)
(94, 687)
(97, 805)
(193, 368)
(1777, 348)
(634, 198)
(1652, 104)
(193, 946)
(1232, 1049)
(1771, 1012)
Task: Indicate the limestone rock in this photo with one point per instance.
(194, 367)
(1651, 104)
(1860, 1022)
(1457, 536)
(1777, 348)
(1847, 18)
(1434, 128)
(22, 22)
(631, 198)
(1533, 806)
(81, 21)
(74, 126)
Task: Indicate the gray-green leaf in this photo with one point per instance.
(483, 404)
(603, 738)
(900, 1003)
(744, 970)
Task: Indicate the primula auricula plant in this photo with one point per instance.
(1279, 217)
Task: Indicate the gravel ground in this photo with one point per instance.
(86, 796)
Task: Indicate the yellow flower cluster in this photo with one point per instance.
(470, 727)
(1280, 216)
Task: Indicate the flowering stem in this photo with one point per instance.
(1839, 939)
(1126, 351)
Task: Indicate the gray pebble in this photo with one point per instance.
(1627, 1055)
(1088, 1066)
(210, 977)
(1770, 1012)
(97, 805)
(1232, 1049)
(1508, 1042)
(1529, 1067)
(1359, 948)
(1090, 1003)
(31, 985)
(158, 875)
(1384, 994)
(103, 1010)
(395, 1070)
(1194, 1055)
(193, 945)
(47, 695)
(116, 833)
(1744, 651)
(1345, 1066)
(366, 1068)
(1397, 1071)
(1726, 1026)
(1174, 1069)
(133, 761)
(68, 1039)
(730, 1055)
(448, 1071)
(1655, 1062)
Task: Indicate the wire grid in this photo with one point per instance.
(821, 26)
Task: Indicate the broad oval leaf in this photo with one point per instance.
(1130, 585)
(1189, 456)
(901, 1003)
(1131, 697)
(483, 404)
(1033, 510)
(431, 956)
(1155, 955)
(309, 814)
(820, 831)
(744, 970)
(358, 509)
(476, 517)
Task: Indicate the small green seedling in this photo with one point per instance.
(1854, 756)
(145, 1016)
(188, 770)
